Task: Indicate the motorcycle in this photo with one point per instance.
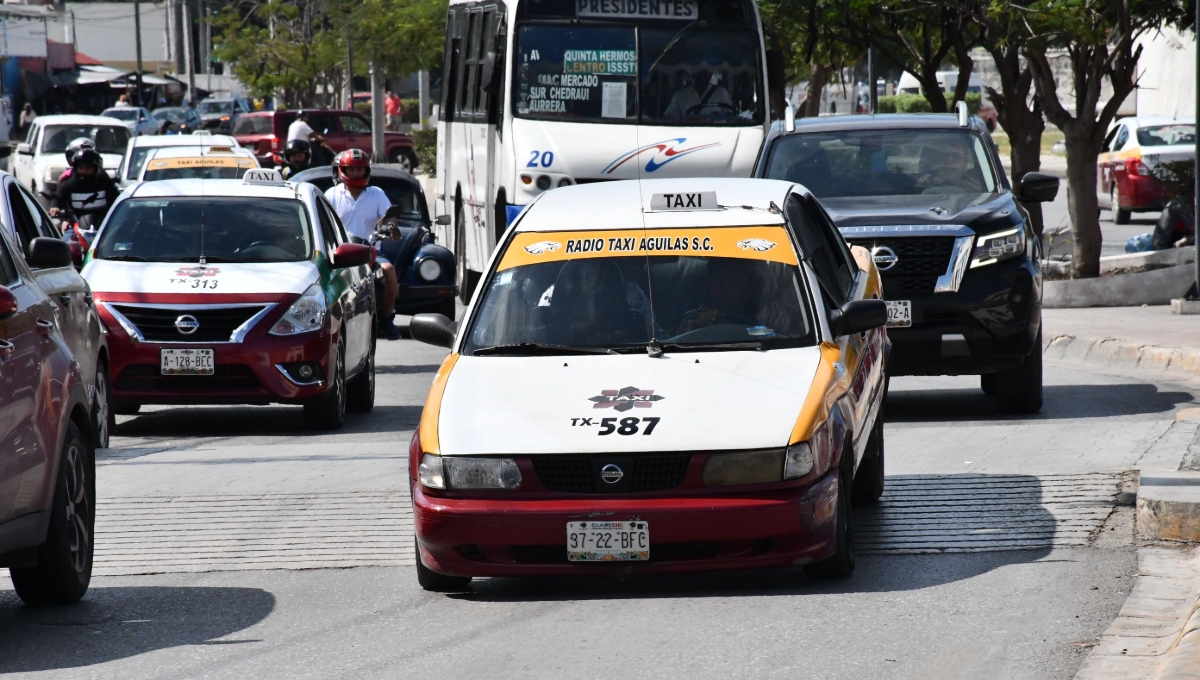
(78, 231)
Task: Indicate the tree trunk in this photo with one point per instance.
(1084, 209)
(1024, 124)
(819, 75)
(932, 89)
(1026, 157)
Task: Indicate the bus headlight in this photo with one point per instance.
(429, 269)
(543, 182)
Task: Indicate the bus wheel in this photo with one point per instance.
(460, 253)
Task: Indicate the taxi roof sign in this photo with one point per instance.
(694, 200)
(264, 176)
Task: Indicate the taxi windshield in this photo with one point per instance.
(621, 303)
(215, 229)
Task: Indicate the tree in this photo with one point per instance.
(919, 36)
(814, 40)
(1098, 39)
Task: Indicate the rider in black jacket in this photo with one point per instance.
(89, 191)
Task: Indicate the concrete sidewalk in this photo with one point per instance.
(1148, 343)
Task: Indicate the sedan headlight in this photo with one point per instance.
(429, 269)
(798, 461)
(437, 472)
(745, 467)
(306, 314)
(1004, 245)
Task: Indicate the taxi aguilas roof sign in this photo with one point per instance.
(770, 243)
(200, 162)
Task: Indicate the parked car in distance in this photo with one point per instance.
(39, 160)
(55, 397)
(177, 120)
(1133, 148)
(137, 118)
(424, 269)
(140, 148)
(221, 115)
(266, 132)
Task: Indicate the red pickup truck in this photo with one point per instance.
(265, 133)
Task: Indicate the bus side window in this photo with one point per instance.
(487, 33)
(470, 65)
(496, 90)
(453, 59)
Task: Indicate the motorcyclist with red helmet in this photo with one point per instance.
(360, 207)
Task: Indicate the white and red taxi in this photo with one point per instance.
(234, 292)
(666, 376)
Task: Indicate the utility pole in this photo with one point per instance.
(349, 75)
(137, 28)
(873, 96)
(1195, 292)
(188, 58)
(422, 98)
(379, 148)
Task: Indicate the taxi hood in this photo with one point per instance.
(107, 276)
(553, 405)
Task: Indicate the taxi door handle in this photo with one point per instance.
(44, 326)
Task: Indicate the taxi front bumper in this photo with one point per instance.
(696, 532)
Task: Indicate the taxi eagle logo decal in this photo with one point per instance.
(756, 244)
(197, 272)
(542, 247)
(625, 399)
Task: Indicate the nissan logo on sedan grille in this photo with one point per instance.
(885, 258)
(611, 474)
(187, 324)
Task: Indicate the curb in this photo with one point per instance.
(1147, 362)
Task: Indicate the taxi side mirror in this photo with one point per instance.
(432, 329)
(858, 316)
(351, 255)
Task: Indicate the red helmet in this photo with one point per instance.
(353, 158)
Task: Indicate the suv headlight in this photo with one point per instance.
(306, 314)
(437, 472)
(993, 248)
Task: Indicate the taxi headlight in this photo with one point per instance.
(306, 314)
(430, 472)
(1004, 245)
(748, 467)
(798, 461)
(429, 269)
(481, 473)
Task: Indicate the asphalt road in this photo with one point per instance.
(309, 537)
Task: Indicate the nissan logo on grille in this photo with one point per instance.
(885, 258)
(187, 324)
(611, 474)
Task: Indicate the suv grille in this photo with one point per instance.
(576, 474)
(157, 324)
(920, 260)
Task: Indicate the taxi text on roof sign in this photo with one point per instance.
(265, 176)
(695, 200)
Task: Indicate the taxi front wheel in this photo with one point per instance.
(868, 481)
(432, 581)
(328, 411)
(841, 563)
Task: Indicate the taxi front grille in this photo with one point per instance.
(215, 324)
(225, 377)
(577, 474)
(920, 260)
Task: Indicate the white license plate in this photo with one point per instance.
(899, 313)
(186, 361)
(608, 541)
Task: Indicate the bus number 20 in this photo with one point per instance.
(546, 158)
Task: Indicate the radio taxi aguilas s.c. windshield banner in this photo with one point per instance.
(750, 243)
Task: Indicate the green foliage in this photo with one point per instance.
(916, 103)
(410, 110)
(1178, 176)
(425, 143)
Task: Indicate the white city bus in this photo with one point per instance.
(539, 94)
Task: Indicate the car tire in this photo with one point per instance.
(360, 391)
(328, 411)
(64, 562)
(841, 563)
(987, 383)
(1119, 216)
(103, 417)
(869, 480)
(125, 408)
(447, 308)
(402, 158)
(434, 582)
(1019, 390)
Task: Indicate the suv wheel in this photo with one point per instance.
(403, 158)
(1019, 390)
(328, 411)
(64, 561)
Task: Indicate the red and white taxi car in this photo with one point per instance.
(234, 292)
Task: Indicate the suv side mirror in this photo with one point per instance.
(1038, 187)
(442, 220)
(24, 149)
(432, 329)
(858, 316)
(49, 253)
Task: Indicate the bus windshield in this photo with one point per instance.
(653, 75)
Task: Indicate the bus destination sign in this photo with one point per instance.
(637, 9)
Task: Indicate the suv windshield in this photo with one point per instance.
(883, 162)
(108, 138)
(620, 302)
(680, 74)
(253, 125)
(225, 229)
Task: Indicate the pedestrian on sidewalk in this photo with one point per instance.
(393, 106)
(28, 115)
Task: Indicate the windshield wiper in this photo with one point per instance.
(124, 258)
(709, 347)
(536, 348)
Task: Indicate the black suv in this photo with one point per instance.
(927, 196)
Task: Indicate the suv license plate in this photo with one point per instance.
(608, 541)
(186, 361)
(899, 313)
